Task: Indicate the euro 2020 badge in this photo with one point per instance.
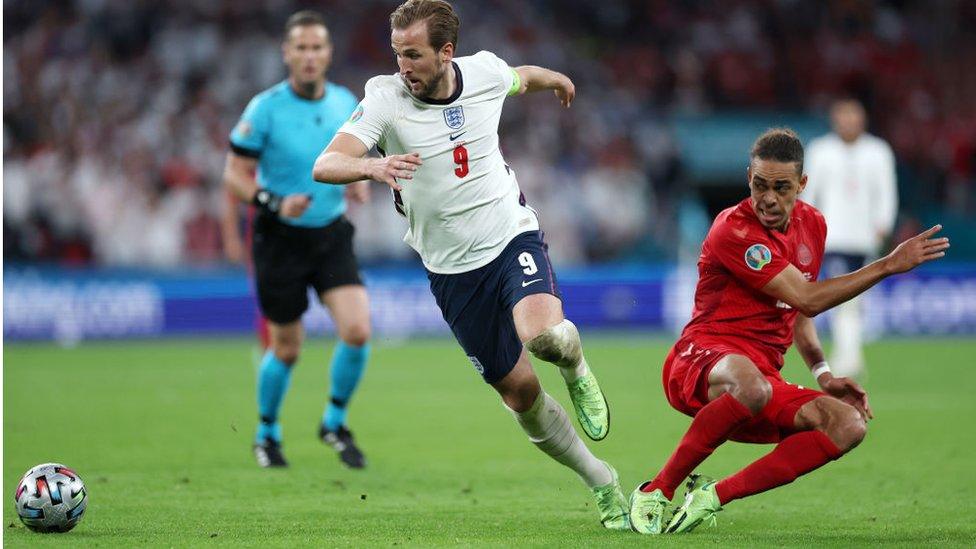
(454, 117)
(758, 256)
(357, 114)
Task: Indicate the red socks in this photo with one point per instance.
(795, 455)
(711, 427)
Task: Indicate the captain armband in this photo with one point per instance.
(516, 83)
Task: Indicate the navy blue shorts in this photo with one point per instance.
(836, 264)
(477, 305)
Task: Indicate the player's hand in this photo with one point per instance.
(565, 91)
(294, 205)
(849, 391)
(358, 192)
(917, 250)
(390, 168)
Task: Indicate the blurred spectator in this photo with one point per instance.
(116, 112)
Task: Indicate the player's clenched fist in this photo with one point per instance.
(917, 250)
(398, 166)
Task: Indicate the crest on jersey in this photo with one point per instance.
(477, 364)
(804, 255)
(758, 256)
(454, 117)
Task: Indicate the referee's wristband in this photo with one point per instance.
(819, 369)
(267, 201)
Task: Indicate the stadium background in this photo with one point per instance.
(129, 340)
(116, 117)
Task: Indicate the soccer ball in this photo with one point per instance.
(51, 498)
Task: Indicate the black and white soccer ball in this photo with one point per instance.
(51, 498)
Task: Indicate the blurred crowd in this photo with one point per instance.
(116, 113)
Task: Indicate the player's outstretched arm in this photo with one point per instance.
(344, 161)
(813, 298)
(808, 345)
(534, 78)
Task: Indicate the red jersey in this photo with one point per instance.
(739, 256)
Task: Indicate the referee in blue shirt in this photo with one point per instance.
(301, 237)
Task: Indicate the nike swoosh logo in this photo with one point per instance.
(455, 136)
(597, 431)
(526, 283)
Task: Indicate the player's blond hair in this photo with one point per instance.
(442, 21)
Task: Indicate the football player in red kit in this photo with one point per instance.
(757, 292)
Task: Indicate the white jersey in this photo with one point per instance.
(463, 204)
(853, 185)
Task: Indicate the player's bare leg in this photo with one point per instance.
(737, 391)
(549, 336)
(548, 427)
(273, 379)
(349, 307)
(846, 330)
(828, 428)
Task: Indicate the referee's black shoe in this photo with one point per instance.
(268, 454)
(341, 441)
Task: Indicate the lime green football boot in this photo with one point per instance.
(612, 504)
(701, 504)
(647, 511)
(696, 481)
(591, 406)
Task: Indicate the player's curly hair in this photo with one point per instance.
(442, 21)
(779, 144)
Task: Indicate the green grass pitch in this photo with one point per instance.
(161, 434)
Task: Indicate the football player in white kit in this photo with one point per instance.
(436, 125)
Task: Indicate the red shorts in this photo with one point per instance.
(686, 386)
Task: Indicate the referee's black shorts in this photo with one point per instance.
(289, 259)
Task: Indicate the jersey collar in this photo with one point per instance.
(296, 95)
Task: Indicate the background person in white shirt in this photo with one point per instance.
(852, 182)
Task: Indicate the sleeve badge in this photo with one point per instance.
(244, 128)
(357, 114)
(758, 256)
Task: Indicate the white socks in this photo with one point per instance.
(560, 345)
(549, 429)
(572, 374)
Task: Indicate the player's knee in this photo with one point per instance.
(519, 393)
(848, 428)
(521, 398)
(287, 353)
(356, 335)
(753, 392)
(559, 344)
(287, 345)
